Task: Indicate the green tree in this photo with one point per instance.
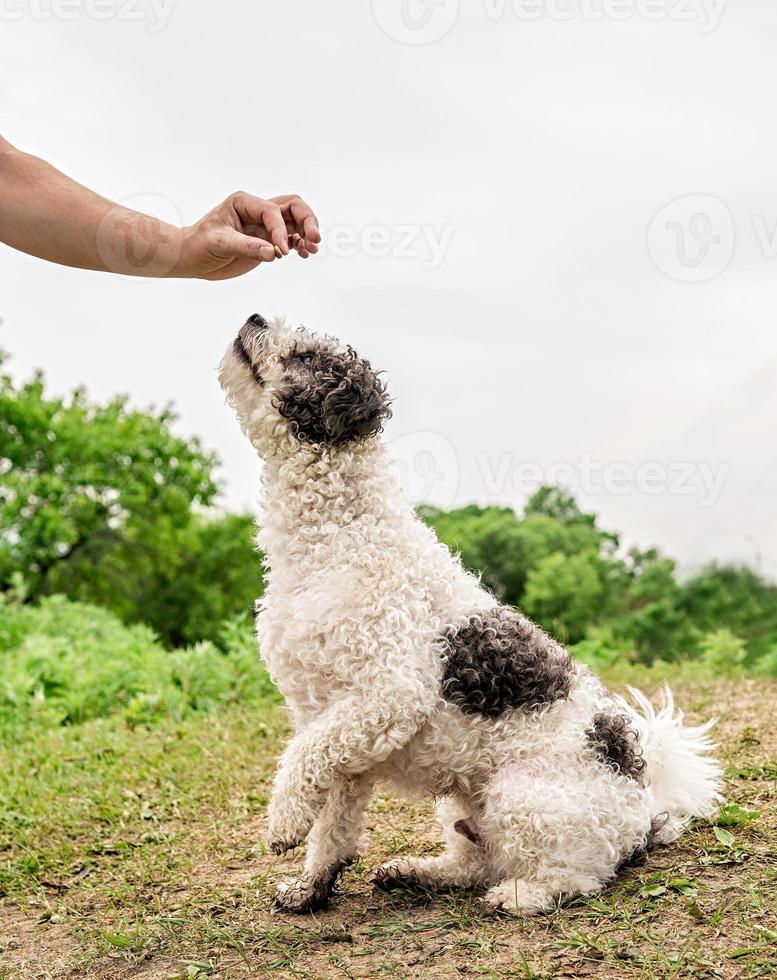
(506, 547)
(80, 482)
(565, 593)
(734, 598)
(217, 575)
(555, 502)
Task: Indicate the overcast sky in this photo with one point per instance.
(552, 223)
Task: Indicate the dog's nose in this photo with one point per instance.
(256, 321)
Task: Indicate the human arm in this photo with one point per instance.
(46, 214)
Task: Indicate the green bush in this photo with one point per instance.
(766, 666)
(65, 662)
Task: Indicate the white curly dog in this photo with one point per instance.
(396, 664)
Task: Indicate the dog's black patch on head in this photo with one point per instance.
(332, 397)
(499, 661)
(617, 745)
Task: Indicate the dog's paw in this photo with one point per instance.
(288, 827)
(394, 875)
(303, 894)
(516, 896)
(309, 892)
(280, 847)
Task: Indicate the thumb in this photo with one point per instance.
(233, 244)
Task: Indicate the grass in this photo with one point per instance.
(134, 850)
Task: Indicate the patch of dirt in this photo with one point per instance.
(32, 949)
(697, 909)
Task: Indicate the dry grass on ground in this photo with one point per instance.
(136, 855)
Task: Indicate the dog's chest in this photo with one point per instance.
(298, 626)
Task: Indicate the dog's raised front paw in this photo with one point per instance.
(282, 846)
(289, 825)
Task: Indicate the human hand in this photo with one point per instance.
(244, 231)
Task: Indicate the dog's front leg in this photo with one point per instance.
(351, 737)
(332, 846)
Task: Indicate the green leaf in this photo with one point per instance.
(653, 891)
(683, 885)
(725, 837)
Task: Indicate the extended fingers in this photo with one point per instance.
(300, 216)
(301, 246)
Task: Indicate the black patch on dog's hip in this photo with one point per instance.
(617, 745)
(499, 661)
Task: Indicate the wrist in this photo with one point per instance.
(178, 253)
(136, 244)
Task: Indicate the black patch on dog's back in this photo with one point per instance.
(499, 661)
(617, 745)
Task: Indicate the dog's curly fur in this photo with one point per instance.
(617, 744)
(499, 661)
(396, 664)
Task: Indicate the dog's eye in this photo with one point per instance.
(305, 358)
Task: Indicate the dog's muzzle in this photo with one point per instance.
(247, 341)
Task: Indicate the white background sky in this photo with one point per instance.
(551, 329)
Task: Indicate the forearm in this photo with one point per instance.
(355, 734)
(349, 739)
(46, 214)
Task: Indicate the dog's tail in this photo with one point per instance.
(683, 777)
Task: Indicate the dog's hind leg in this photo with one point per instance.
(554, 835)
(332, 845)
(463, 864)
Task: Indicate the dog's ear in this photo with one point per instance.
(358, 406)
